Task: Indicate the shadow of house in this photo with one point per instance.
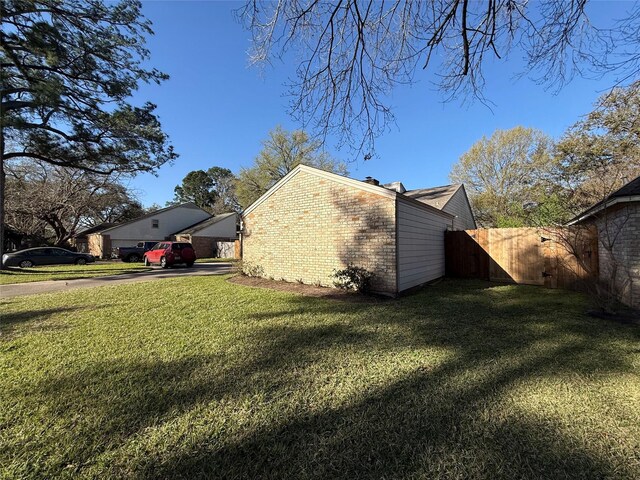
(617, 219)
(313, 222)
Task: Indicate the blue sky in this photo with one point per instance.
(217, 109)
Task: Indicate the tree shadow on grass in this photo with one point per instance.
(15, 322)
(436, 420)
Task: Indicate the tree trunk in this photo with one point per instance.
(2, 179)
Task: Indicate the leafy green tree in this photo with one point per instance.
(601, 152)
(68, 71)
(213, 190)
(506, 176)
(196, 187)
(281, 153)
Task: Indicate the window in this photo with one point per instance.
(155, 223)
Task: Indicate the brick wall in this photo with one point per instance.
(623, 221)
(204, 246)
(99, 245)
(313, 225)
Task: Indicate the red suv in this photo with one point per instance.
(170, 253)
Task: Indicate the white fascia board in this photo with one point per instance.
(333, 177)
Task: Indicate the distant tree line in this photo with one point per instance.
(521, 177)
(514, 178)
(47, 203)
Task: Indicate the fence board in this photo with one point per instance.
(555, 258)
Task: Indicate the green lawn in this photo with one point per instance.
(208, 379)
(67, 272)
(215, 260)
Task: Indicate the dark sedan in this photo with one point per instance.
(45, 256)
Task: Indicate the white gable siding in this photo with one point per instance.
(225, 228)
(459, 206)
(169, 222)
(420, 244)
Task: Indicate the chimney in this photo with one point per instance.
(371, 181)
(397, 186)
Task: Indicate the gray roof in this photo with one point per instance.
(196, 227)
(631, 189)
(397, 186)
(94, 229)
(437, 197)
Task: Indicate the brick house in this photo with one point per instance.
(213, 237)
(618, 221)
(312, 222)
(155, 226)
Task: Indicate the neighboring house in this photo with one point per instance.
(451, 199)
(155, 226)
(213, 237)
(313, 222)
(618, 221)
(81, 239)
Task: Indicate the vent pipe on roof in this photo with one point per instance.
(371, 181)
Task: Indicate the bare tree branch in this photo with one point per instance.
(354, 52)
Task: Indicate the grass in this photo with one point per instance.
(208, 379)
(67, 272)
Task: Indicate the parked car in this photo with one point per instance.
(45, 256)
(171, 253)
(134, 254)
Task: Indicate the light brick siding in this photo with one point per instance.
(311, 226)
(99, 245)
(623, 221)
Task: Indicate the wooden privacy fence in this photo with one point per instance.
(555, 258)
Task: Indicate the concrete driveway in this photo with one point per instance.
(156, 273)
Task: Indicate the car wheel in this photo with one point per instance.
(81, 261)
(26, 264)
(133, 258)
(163, 262)
(147, 263)
(189, 264)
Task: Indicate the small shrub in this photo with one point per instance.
(251, 270)
(353, 278)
